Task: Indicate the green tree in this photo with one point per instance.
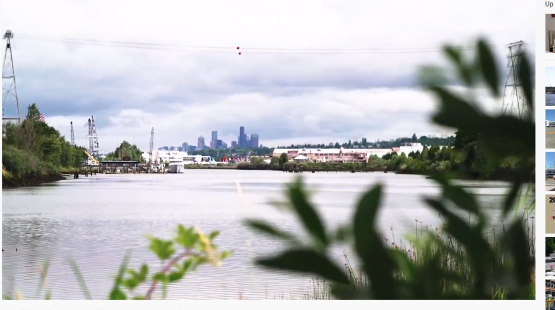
(283, 158)
(126, 151)
(34, 149)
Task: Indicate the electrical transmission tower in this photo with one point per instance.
(151, 145)
(513, 101)
(93, 138)
(72, 135)
(9, 89)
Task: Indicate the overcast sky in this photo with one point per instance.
(283, 96)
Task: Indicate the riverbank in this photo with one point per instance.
(11, 181)
(223, 166)
(14, 182)
(501, 174)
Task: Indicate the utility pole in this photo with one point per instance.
(9, 88)
(512, 94)
(72, 135)
(151, 146)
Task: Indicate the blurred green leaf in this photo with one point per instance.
(213, 235)
(225, 254)
(176, 276)
(478, 250)
(488, 67)
(507, 135)
(162, 248)
(310, 219)
(130, 284)
(348, 293)
(160, 277)
(458, 195)
(270, 230)
(432, 75)
(117, 294)
(455, 112)
(343, 234)
(455, 55)
(143, 273)
(377, 262)
(43, 273)
(524, 72)
(516, 241)
(306, 261)
(511, 197)
(80, 279)
(404, 264)
(186, 237)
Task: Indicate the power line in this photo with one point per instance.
(222, 49)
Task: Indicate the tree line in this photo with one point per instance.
(32, 148)
(463, 156)
(364, 143)
(126, 151)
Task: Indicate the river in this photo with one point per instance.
(95, 220)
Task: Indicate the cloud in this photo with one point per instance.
(284, 96)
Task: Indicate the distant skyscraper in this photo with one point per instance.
(242, 137)
(254, 141)
(214, 135)
(200, 143)
(233, 144)
(185, 146)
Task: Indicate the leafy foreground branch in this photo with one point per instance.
(459, 263)
(179, 256)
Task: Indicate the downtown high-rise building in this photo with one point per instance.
(242, 137)
(184, 146)
(214, 140)
(245, 141)
(254, 141)
(200, 143)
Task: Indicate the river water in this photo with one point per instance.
(95, 220)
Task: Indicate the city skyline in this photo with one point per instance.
(186, 147)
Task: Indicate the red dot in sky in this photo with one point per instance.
(237, 47)
(239, 53)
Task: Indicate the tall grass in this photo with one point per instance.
(421, 247)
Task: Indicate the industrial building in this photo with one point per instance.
(345, 155)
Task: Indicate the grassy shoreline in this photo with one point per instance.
(15, 182)
(11, 181)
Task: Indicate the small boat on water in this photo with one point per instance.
(175, 165)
